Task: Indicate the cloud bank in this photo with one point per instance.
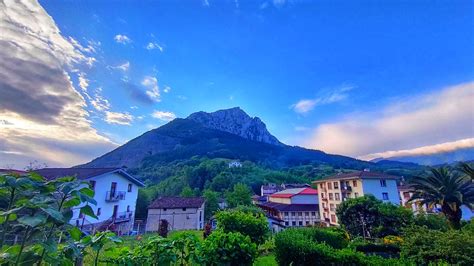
(45, 116)
(414, 125)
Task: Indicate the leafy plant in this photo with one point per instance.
(252, 225)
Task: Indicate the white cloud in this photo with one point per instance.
(205, 2)
(153, 46)
(426, 150)
(118, 118)
(100, 103)
(83, 82)
(443, 116)
(45, 115)
(153, 91)
(124, 67)
(163, 115)
(166, 89)
(307, 105)
(123, 39)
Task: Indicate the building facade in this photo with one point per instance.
(116, 194)
(293, 207)
(334, 190)
(180, 213)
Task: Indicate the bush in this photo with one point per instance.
(432, 221)
(253, 225)
(222, 248)
(423, 246)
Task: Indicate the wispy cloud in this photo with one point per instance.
(99, 102)
(307, 105)
(124, 67)
(153, 46)
(118, 118)
(153, 91)
(166, 89)
(163, 115)
(123, 39)
(444, 116)
(83, 82)
(205, 2)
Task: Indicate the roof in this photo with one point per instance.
(176, 203)
(289, 207)
(84, 173)
(359, 174)
(288, 193)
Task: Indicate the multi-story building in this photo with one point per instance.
(116, 194)
(180, 213)
(293, 207)
(271, 188)
(335, 189)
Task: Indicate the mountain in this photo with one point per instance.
(447, 157)
(229, 133)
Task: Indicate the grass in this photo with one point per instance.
(267, 260)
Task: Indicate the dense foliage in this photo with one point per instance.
(253, 225)
(369, 217)
(222, 248)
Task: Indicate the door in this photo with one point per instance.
(114, 215)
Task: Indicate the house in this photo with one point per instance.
(293, 207)
(116, 194)
(335, 189)
(234, 164)
(180, 213)
(405, 193)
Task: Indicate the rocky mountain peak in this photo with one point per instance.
(238, 122)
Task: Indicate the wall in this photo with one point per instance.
(103, 183)
(306, 218)
(280, 200)
(178, 219)
(305, 199)
(372, 186)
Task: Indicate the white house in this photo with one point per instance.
(116, 194)
(335, 189)
(235, 164)
(180, 213)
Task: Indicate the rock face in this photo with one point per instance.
(237, 122)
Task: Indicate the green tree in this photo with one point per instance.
(447, 189)
(369, 217)
(228, 249)
(212, 203)
(187, 192)
(240, 195)
(254, 225)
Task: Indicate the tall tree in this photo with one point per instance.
(240, 195)
(445, 188)
(212, 203)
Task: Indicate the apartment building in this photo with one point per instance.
(333, 190)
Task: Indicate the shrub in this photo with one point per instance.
(424, 246)
(222, 248)
(253, 225)
(432, 221)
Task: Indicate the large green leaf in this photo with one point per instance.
(87, 210)
(75, 233)
(32, 221)
(56, 215)
(72, 202)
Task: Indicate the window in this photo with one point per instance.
(130, 187)
(385, 196)
(329, 186)
(333, 218)
(356, 194)
(293, 213)
(313, 213)
(184, 209)
(92, 184)
(354, 183)
(322, 195)
(164, 209)
(383, 183)
(307, 222)
(331, 207)
(293, 223)
(300, 223)
(406, 195)
(286, 223)
(336, 185)
(286, 213)
(200, 215)
(337, 196)
(331, 197)
(306, 214)
(128, 208)
(321, 185)
(300, 214)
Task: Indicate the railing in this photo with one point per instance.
(123, 216)
(115, 196)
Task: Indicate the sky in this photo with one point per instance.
(368, 79)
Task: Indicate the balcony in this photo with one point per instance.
(346, 188)
(123, 217)
(113, 196)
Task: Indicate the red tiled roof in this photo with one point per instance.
(176, 203)
(308, 191)
(282, 195)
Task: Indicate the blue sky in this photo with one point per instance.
(313, 71)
